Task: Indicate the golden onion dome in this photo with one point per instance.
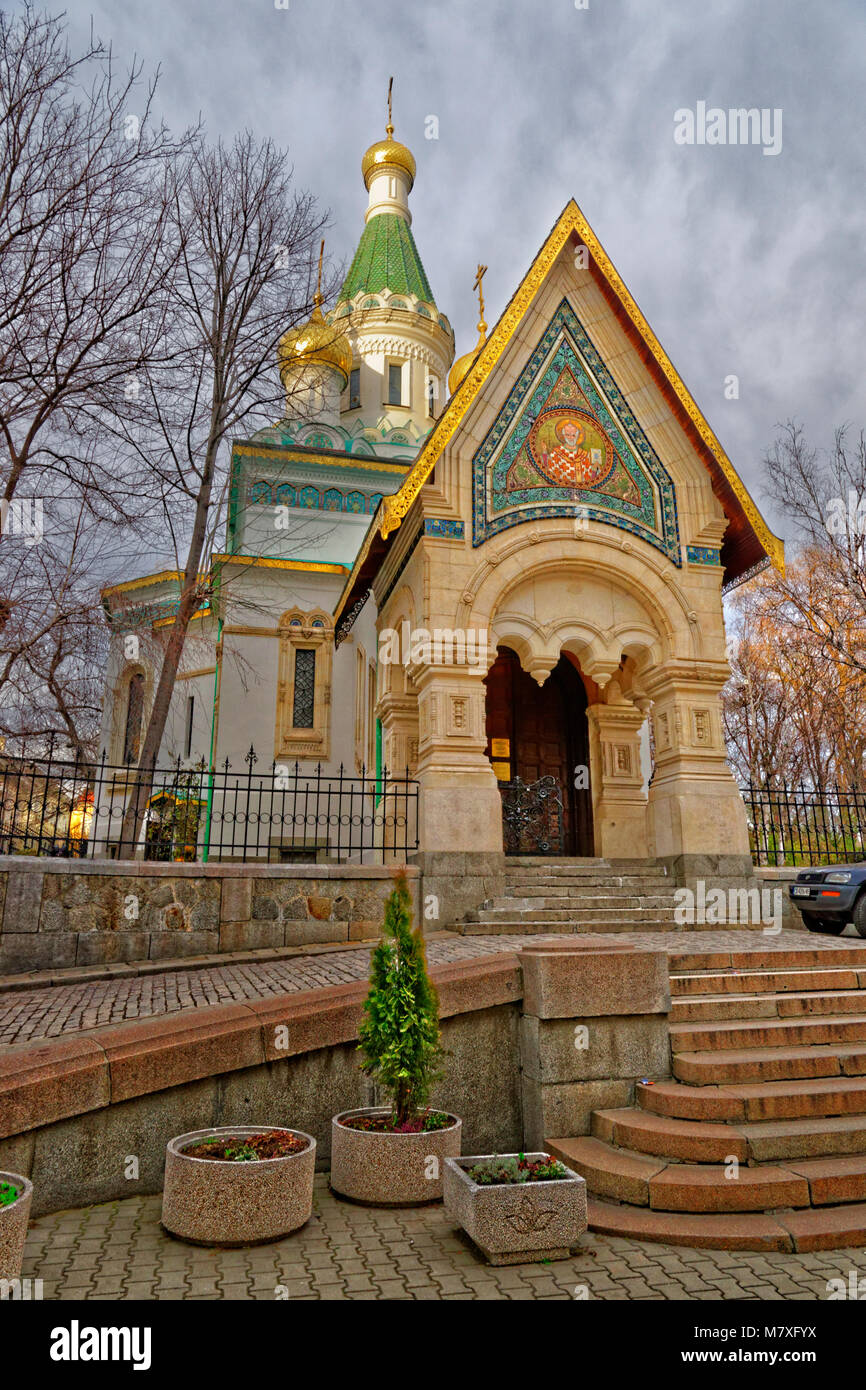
(315, 342)
(461, 367)
(388, 152)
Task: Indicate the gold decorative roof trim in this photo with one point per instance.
(161, 578)
(329, 460)
(168, 622)
(270, 562)
(570, 221)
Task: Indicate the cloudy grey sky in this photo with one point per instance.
(742, 263)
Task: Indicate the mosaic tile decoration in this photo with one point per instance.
(386, 259)
(444, 527)
(702, 555)
(328, 499)
(566, 444)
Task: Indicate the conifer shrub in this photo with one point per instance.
(399, 1037)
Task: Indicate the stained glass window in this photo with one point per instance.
(303, 702)
(134, 712)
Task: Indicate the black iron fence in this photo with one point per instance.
(285, 814)
(795, 825)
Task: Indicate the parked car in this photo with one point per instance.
(830, 898)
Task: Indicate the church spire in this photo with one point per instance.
(389, 172)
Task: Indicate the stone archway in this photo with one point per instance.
(538, 746)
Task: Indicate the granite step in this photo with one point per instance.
(759, 959)
(707, 1068)
(624, 882)
(702, 1141)
(761, 1100)
(833, 1228)
(716, 1008)
(585, 901)
(711, 1231)
(687, 1140)
(531, 927)
(738, 1034)
(744, 982)
(618, 1175)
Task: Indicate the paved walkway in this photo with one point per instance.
(119, 1250)
(52, 1011)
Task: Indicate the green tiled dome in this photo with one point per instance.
(387, 259)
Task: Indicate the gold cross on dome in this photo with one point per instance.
(477, 285)
(317, 297)
(390, 126)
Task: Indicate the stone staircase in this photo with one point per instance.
(577, 895)
(769, 1069)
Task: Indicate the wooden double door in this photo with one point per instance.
(541, 731)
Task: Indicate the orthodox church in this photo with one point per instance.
(492, 571)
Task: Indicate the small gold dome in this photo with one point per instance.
(385, 152)
(316, 341)
(461, 367)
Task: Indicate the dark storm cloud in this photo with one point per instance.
(742, 263)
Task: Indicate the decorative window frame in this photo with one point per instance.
(304, 631)
(120, 706)
(360, 692)
(372, 680)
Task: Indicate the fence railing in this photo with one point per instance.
(795, 825)
(287, 813)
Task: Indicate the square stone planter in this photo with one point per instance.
(209, 1201)
(382, 1169)
(516, 1223)
(13, 1226)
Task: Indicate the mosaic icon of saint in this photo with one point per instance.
(568, 463)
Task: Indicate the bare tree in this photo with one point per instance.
(793, 709)
(53, 643)
(824, 496)
(248, 242)
(85, 261)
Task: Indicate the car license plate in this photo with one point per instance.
(802, 892)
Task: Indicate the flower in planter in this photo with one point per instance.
(517, 1169)
(399, 1038)
(8, 1194)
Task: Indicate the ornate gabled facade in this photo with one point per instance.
(566, 518)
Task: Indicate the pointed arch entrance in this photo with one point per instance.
(536, 732)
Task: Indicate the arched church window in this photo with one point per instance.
(304, 685)
(134, 718)
(354, 388)
(303, 704)
(395, 383)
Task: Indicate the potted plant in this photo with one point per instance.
(16, 1194)
(238, 1185)
(393, 1155)
(516, 1207)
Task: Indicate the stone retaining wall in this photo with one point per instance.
(87, 1118)
(62, 912)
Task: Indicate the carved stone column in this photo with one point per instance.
(460, 807)
(696, 814)
(619, 806)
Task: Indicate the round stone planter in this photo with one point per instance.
(211, 1201)
(379, 1169)
(13, 1226)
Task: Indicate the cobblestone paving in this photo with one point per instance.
(118, 1251)
(55, 1010)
